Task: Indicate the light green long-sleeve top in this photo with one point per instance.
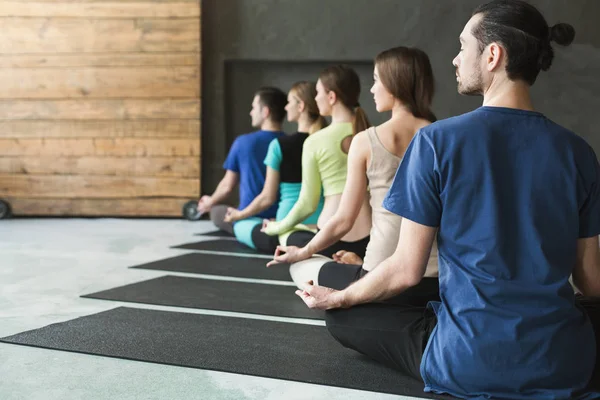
(324, 164)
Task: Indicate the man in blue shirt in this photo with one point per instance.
(515, 201)
(244, 163)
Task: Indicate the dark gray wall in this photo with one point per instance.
(236, 32)
(241, 78)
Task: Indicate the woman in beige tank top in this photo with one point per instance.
(403, 84)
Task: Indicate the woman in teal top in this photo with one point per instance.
(284, 172)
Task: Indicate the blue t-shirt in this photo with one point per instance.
(246, 159)
(511, 193)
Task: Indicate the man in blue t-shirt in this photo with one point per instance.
(515, 201)
(244, 163)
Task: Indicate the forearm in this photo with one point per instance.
(586, 274)
(588, 284)
(333, 231)
(222, 191)
(297, 214)
(258, 205)
(385, 281)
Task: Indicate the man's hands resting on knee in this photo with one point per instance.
(320, 297)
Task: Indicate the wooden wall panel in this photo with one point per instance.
(100, 106)
(106, 9)
(130, 147)
(100, 109)
(100, 60)
(104, 187)
(87, 35)
(186, 167)
(167, 206)
(119, 82)
(158, 128)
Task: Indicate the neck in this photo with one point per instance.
(400, 112)
(341, 113)
(269, 125)
(503, 92)
(404, 123)
(304, 123)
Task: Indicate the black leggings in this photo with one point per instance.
(268, 244)
(301, 239)
(263, 242)
(396, 334)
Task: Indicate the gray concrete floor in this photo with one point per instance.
(46, 264)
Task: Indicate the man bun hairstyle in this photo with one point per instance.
(525, 35)
(562, 34)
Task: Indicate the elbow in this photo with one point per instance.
(587, 289)
(411, 277)
(268, 199)
(412, 280)
(264, 200)
(346, 225)
(343, 224)
(227, 189)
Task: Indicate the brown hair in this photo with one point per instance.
(344, 82)
(275, 100)
(306, 92)
(406, 73)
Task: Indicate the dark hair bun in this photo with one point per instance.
(562, 34)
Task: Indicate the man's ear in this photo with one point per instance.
(495, 57)
(265, 112)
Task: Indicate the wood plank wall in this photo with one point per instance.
(99, 106)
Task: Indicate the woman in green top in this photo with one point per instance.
(324, 164)
(284, 172)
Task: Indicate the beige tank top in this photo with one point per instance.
(385, 230)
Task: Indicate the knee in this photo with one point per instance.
(307, 270)
(263, 242)
(298, 275)
(216, 215)
(299, 238)
(338, 330)
(243, 232)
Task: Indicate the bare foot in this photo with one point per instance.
(347, 257)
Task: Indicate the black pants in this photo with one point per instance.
(263, 242)
(592, 308)
(396, 334)
(301, 239)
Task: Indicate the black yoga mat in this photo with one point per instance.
(221, 265)
(219, 233)
(295, 352)
(220, 245)
(175, 291)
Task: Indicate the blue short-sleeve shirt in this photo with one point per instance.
(246, 158)
(511, 193)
